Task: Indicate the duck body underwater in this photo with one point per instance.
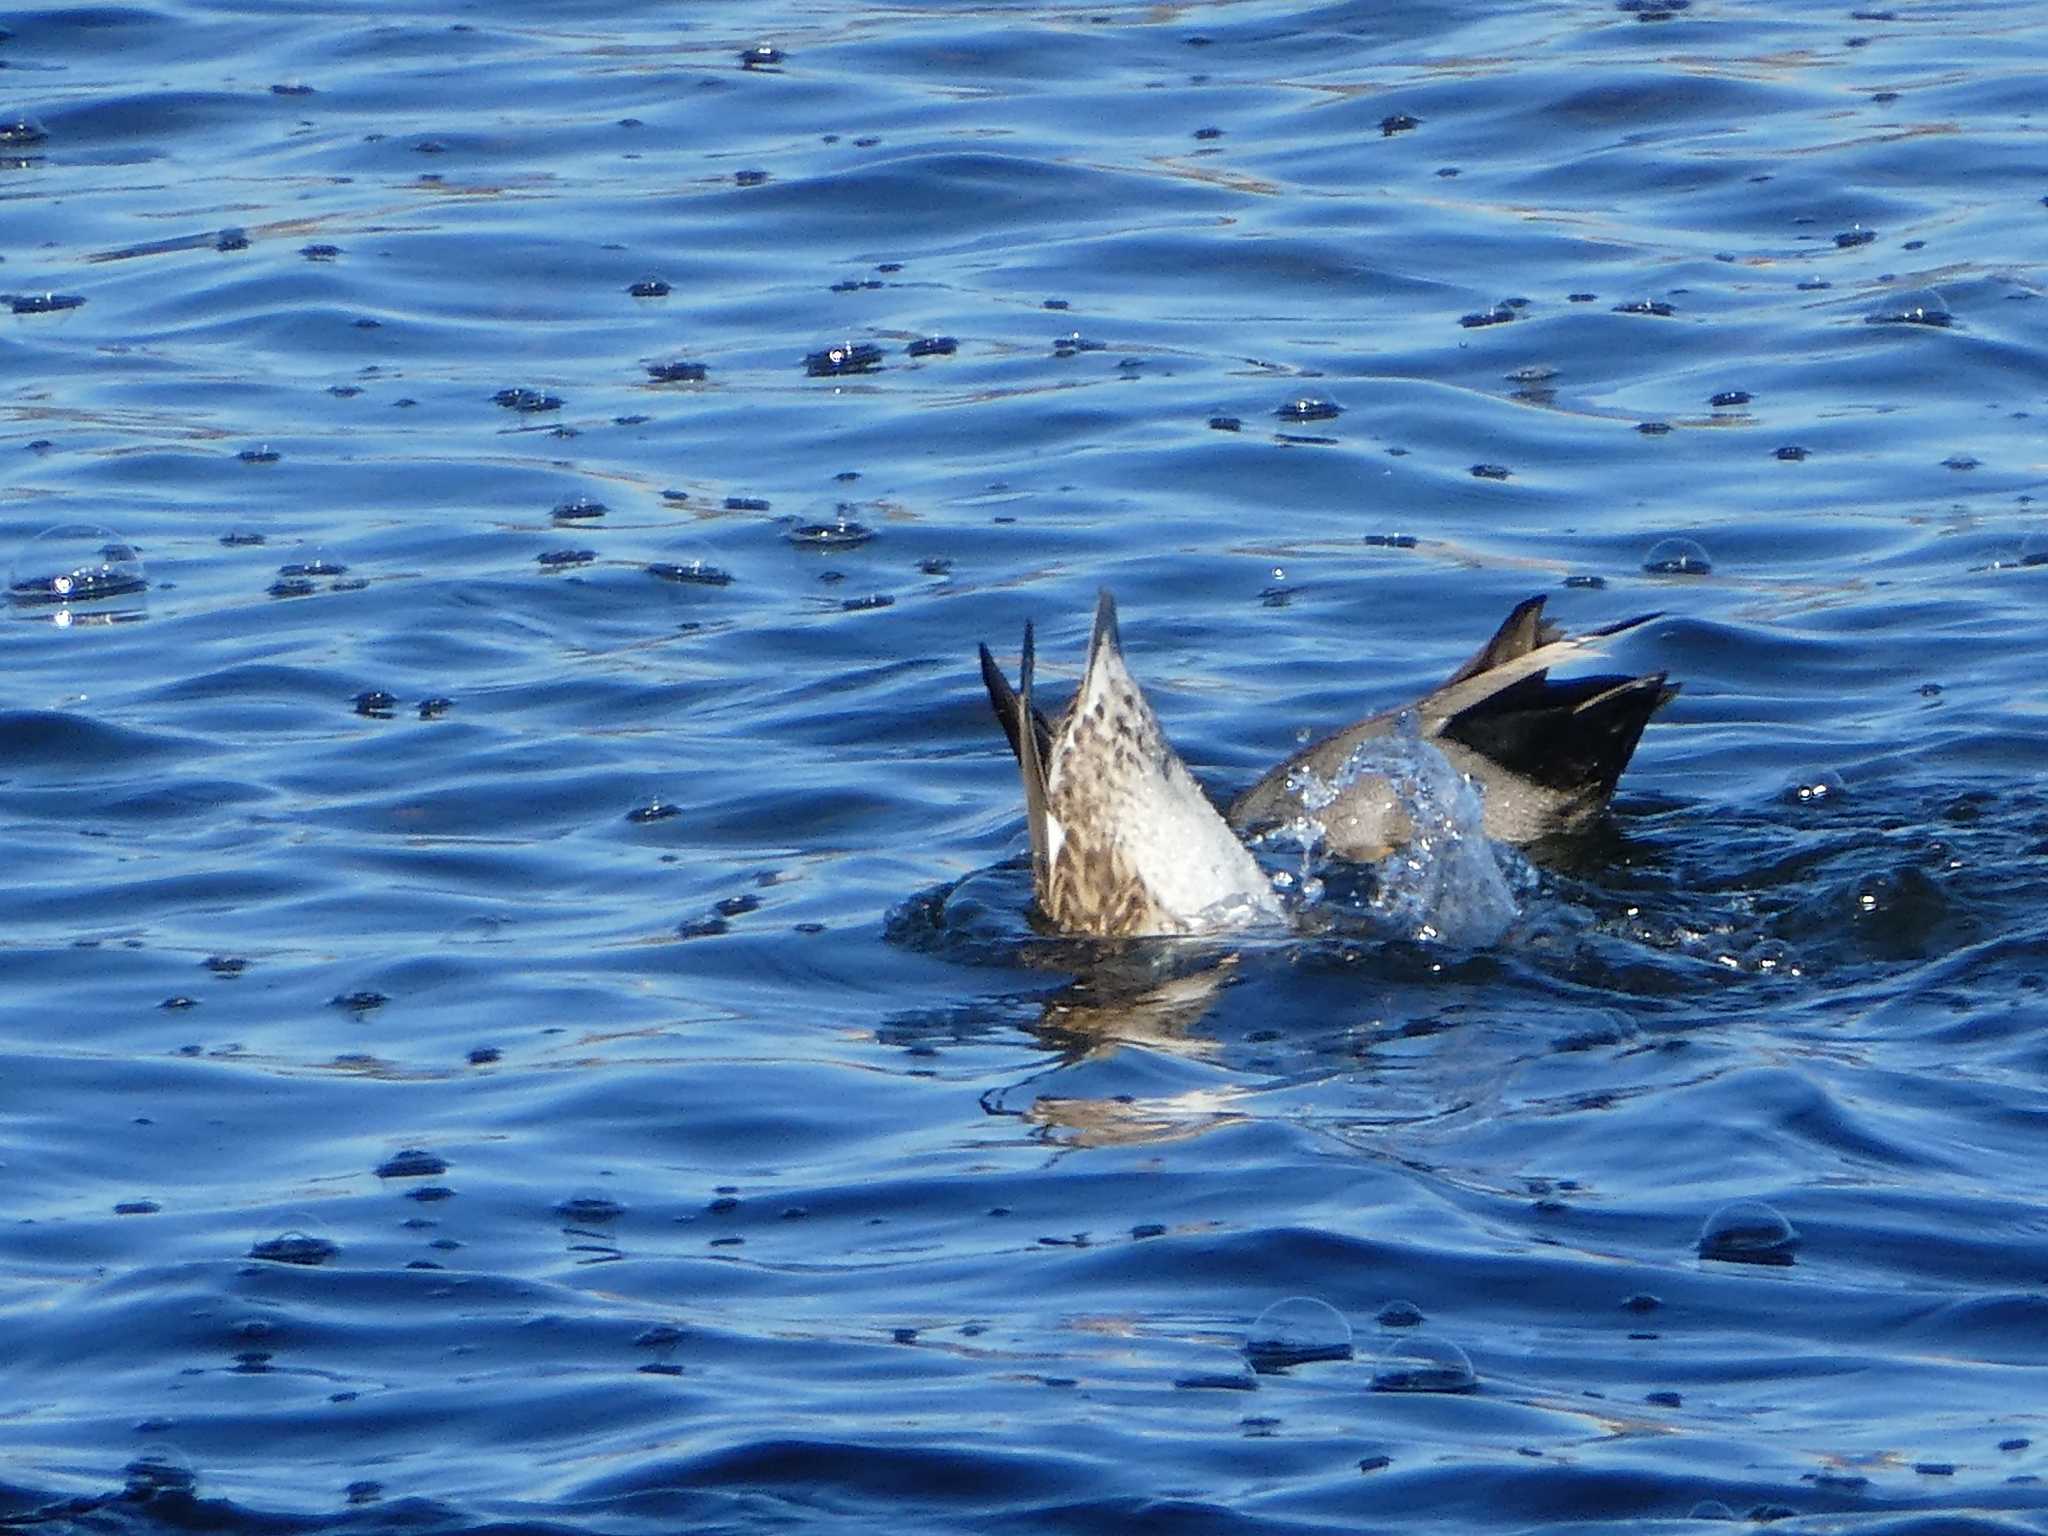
(1126, 844)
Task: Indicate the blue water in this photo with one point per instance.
(615, 988)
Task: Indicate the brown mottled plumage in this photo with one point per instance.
(1123, 841)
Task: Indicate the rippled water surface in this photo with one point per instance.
(516, 997)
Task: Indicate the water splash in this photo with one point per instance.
(1442, 883)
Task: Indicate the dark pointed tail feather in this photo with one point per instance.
(1033, 749)
(1520, 633)
(1002, 698)
(1621, 625)
(1576, 736)
(1030, 740)
(1523, 630)
(1009, 709)
(1105, 630)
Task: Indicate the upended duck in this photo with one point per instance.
(1125, 843)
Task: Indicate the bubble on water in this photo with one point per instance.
(695, 572)
(295, 1247)
(1296, 1331)
(2033, 550)
(842, 532)
(1771, 957)
(412, 1163)
(1423, 1362)
(1309, 408)
(77, 572)
(585, 1210)
(1918, 306)
(159, 1469)
(1399, 1314)
(1677, 557)
(1499, 314)
(1711, 1509)
(1748, 1232)
(843, 358)
(18, 130)
(1816, 786)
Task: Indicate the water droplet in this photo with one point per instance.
(1422, 1362)
(1748, 1232)
(1399, 1314)
(76, 563)
(1296, 1331)
(1677, 557)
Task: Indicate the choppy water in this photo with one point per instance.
(754, 1166)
